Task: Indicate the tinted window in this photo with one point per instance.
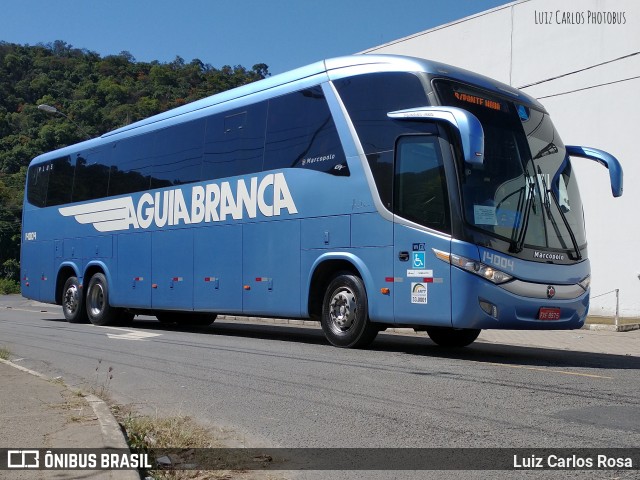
(368, 98)
(234, 142)
(420, 193)
(178, 154)
(60, 181)
(132, 165)
(37, 183)
(91, 179)
(301, 134)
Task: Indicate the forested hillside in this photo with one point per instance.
(97, 94)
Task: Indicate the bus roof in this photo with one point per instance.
(332, 68)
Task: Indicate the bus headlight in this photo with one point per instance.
(585, 283)
(480, 269)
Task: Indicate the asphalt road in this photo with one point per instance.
(284, 386)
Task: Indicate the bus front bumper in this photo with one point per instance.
(478, 303)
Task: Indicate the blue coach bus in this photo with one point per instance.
(362, 192)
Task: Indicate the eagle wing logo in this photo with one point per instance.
(106, 216)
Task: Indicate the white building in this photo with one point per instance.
(581, 59)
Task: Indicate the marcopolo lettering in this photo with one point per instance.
(548, 255)
(213, 202)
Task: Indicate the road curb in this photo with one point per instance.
(612, 328)
(112, 435)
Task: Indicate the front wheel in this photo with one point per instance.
(453, 337)
(345, 318)
(73, 301)
(98, 309)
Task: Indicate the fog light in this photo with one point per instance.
(489, 308)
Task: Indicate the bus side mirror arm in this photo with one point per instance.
(467, 124)
(603, 158)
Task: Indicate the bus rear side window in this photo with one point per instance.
(51, 183)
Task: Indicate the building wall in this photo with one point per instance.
(559, 46)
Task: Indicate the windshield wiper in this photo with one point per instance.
(548, 150)
(518, 244)
(548, 193)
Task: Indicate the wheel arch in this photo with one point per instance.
(97, 267)
(65, 270)
(324, 269)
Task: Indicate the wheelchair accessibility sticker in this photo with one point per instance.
(418, 259)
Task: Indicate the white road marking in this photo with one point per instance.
(130, 334)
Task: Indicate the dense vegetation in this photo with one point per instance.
(97, 94)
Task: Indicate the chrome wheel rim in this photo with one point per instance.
(342, 310)
(72, 299)
(95, 300)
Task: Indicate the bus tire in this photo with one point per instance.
(453, 337)
(97, 301)
(345, 318)
(73, 301)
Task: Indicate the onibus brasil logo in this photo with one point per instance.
(209, 203)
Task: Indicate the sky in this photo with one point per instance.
(284, 34)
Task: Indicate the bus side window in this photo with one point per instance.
(368, 98)
(178, 154)
(301, 134)
(91, 179)
(234, 142)
(60, 181)
(37, 184)
(131, 165)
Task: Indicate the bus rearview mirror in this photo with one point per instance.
(467, 124)
(603, 158)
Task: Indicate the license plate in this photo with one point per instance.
(546, 313)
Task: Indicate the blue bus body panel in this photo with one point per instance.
(271, 268)
(172, 269)
(217, 253)
(133, 288)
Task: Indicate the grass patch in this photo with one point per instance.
(102, 383)
(5, 353)
(148, 434)
(9, 287)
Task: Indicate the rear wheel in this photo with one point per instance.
(98, 309)
(73, 301)
(453, 337)
(345, 318)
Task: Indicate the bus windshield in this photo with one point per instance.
(525, 192)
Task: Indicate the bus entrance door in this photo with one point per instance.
(420, 199)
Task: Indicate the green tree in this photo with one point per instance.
(97, 94)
